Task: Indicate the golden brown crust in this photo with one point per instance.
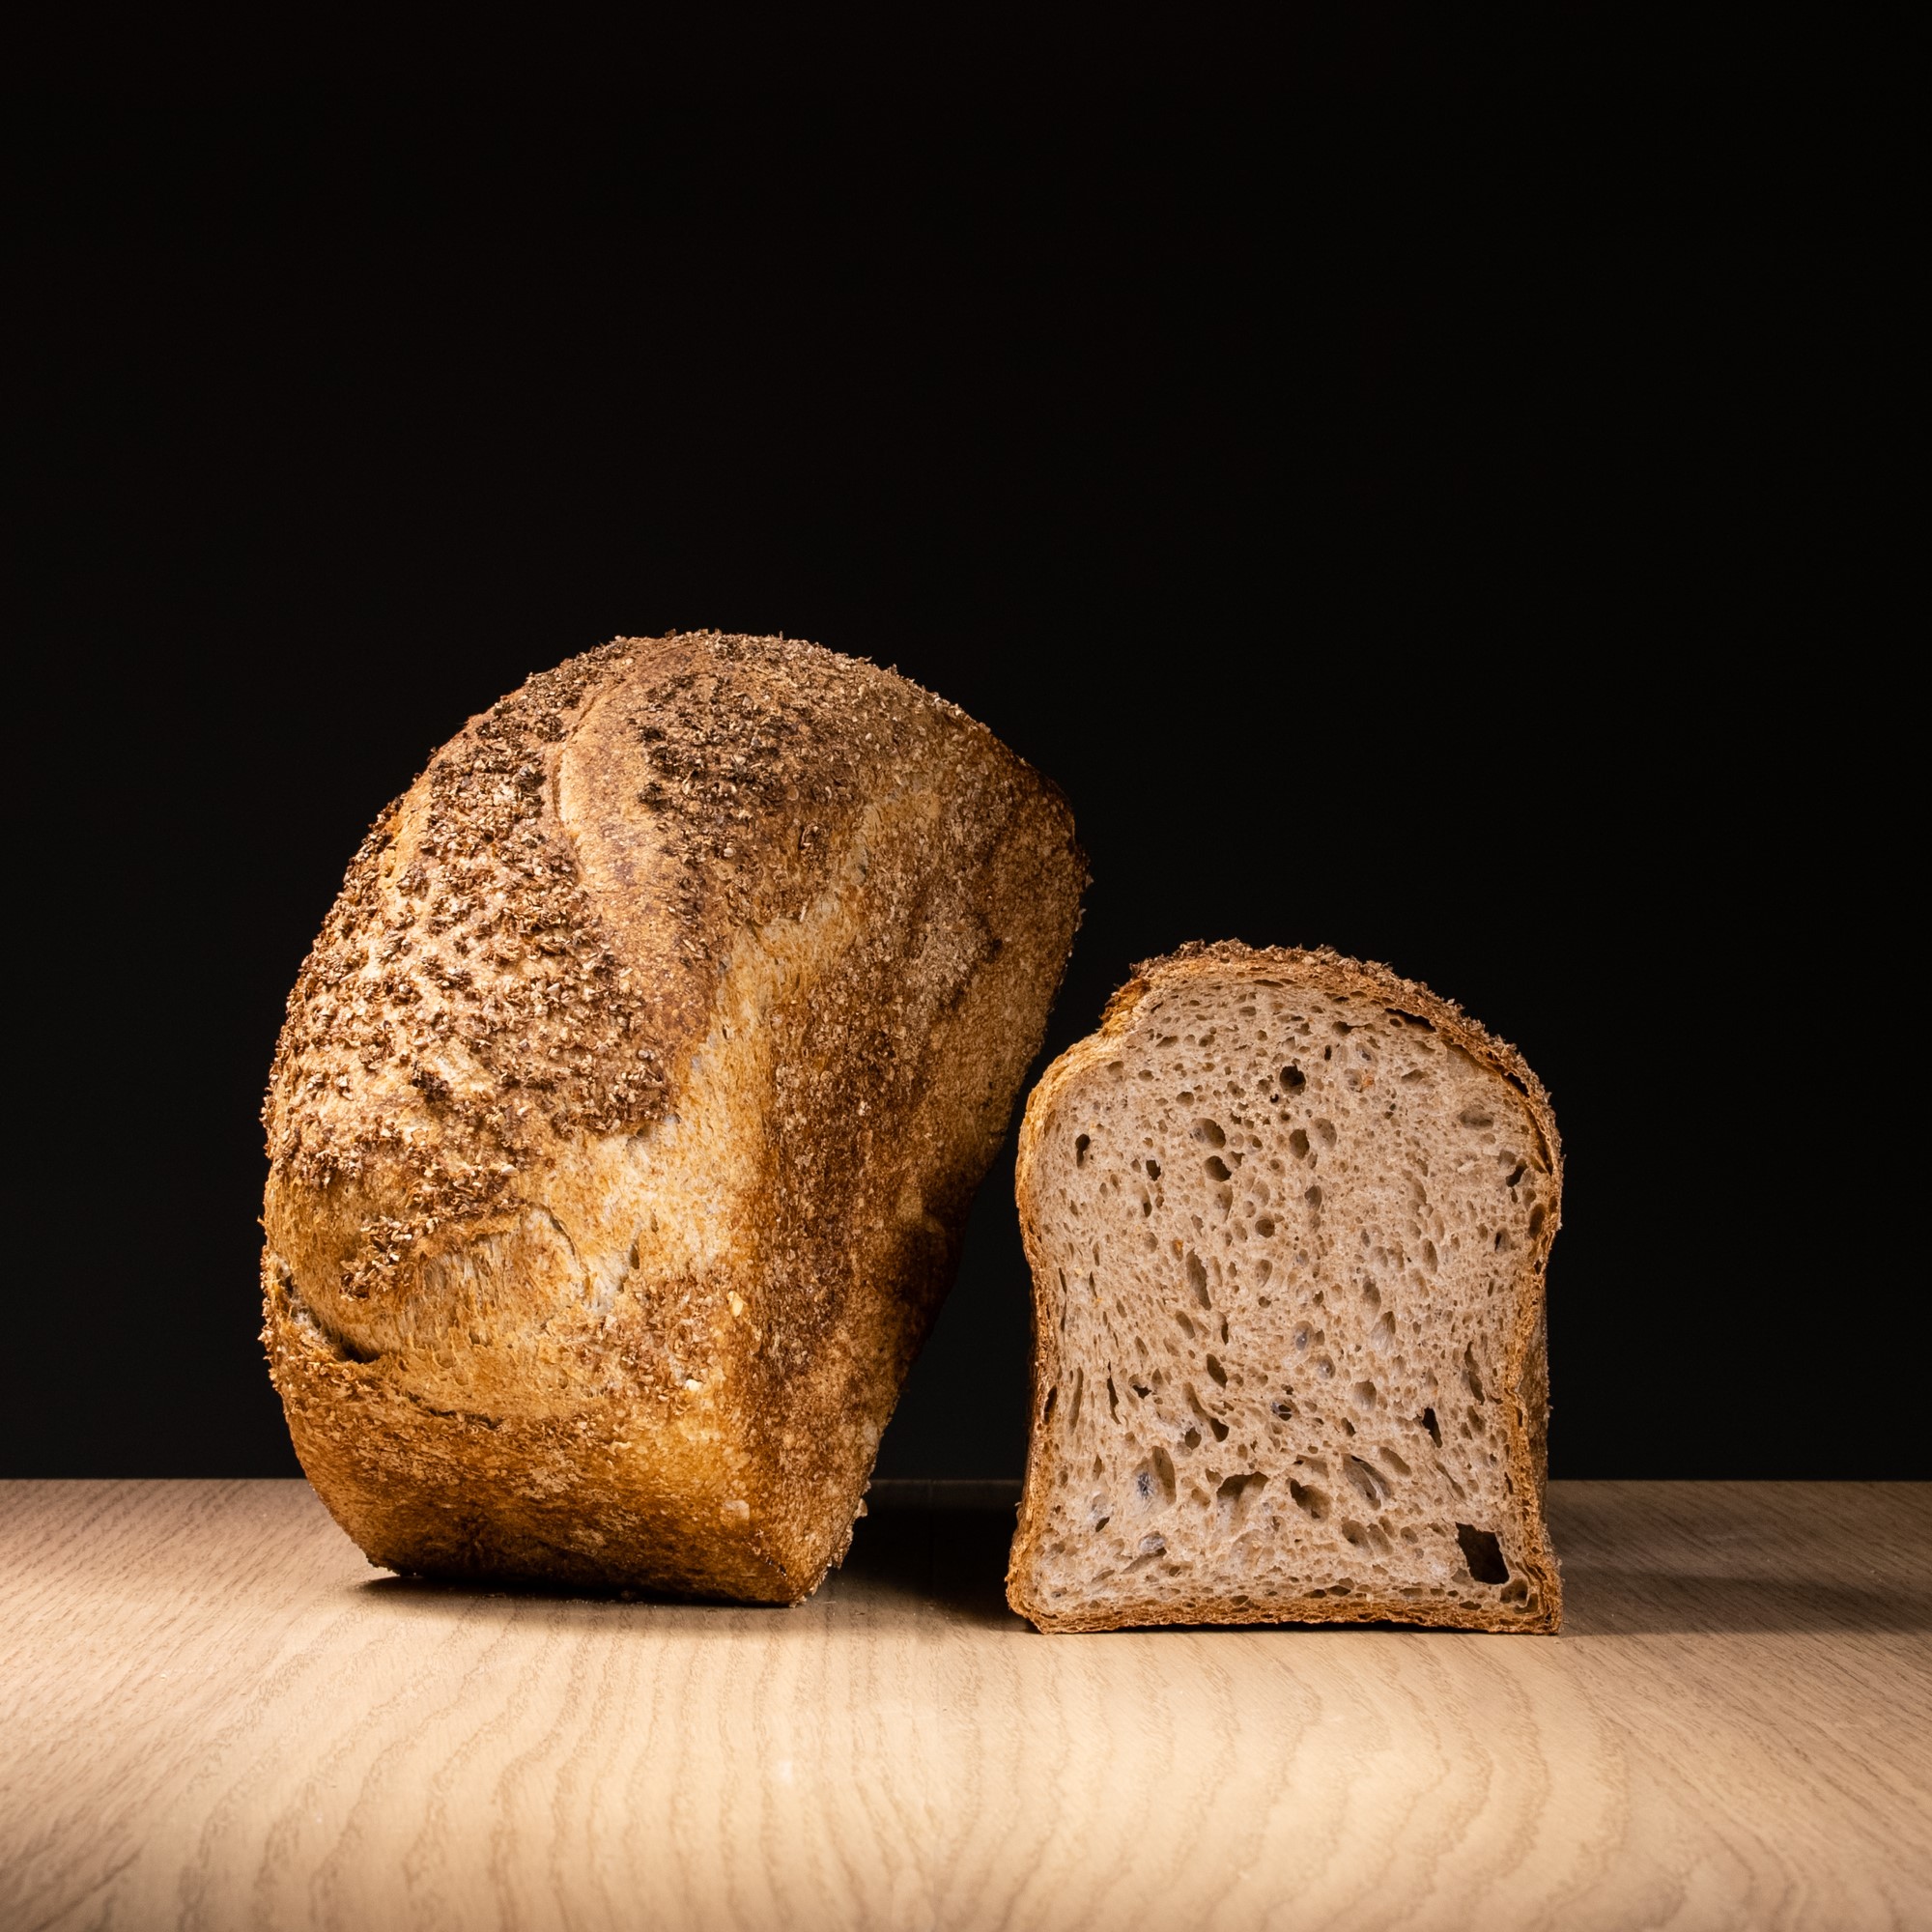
(1526, 1360)
(630, 1105)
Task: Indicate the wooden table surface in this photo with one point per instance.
(213, 1713)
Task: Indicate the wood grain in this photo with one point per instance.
(212, 1714)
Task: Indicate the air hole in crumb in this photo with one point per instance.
(1312, 1197)
(1395, 1462)
(1163, 1469)
(1370, 1486)
(1197, 1278)
(1046, 1410)
(1211, 1132)
(1236, 1491)
(1293, 1078)
(1073, 1407)
(1283, 1409)
(1516, 1176)
(1080, 1146)
(1192, 1440)
(1483, 1553)
(1298, 1142)
(1469, 1373)
(1537, 1216)
(1153, 1544)
(1215, 1369)
(1429, 1422)
(1114, 1401)
(1219, 1428)
(1474, 1116)
(1153, 1170)
(1310, 1501)
(1363, 1395)
(1217, 1168)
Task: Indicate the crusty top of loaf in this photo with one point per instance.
(476, 993)
(1361, 979)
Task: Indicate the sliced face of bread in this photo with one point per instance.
(1289, 1217)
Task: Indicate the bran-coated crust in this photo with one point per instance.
(1526, 1419)
(746, 939)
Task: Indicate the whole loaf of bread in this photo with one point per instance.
(629, 1108)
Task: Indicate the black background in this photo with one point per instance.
(1404, 511)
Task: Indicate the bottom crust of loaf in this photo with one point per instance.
(1213, 1612)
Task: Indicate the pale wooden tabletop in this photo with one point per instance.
(213, 1713)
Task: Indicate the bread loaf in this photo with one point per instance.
(630, 1105)
(1288, 1217)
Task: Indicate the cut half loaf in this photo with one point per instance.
(630, 1105)
(1288, 1217)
